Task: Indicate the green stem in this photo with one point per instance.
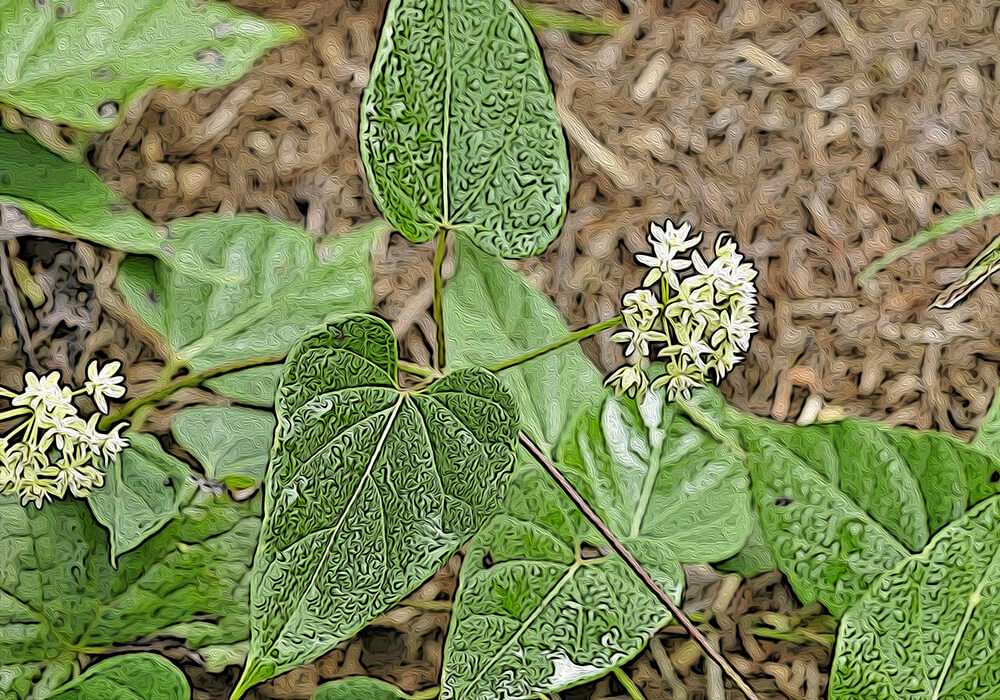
(573, 337)
(441, 358)
(628, 684)
(163, 390)
(428, 694)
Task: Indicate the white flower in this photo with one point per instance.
(704, 319)
(642, 306)
(54, 451)
(113, 443)
(102, 382)
(668, 243)
(45, 393)
(630, 380)
(679, 379)
(638, 338)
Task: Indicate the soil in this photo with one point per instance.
(820, 133)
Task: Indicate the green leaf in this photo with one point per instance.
(929, 627)
(59, 593)
(70, 198)
(83, 63)
(491, 314)
(369, 490)
(459, 127)
(543, 604)
(987, 438)
(974, 213)
(358, 688)
(128, 677)
(898, 486)
(232, 443)
(977, 272)
(141, 492)
(243, 287)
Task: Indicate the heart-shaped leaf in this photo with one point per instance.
(143, 490)
(370, 488)
(543, 604)
(128, 677)
(492, 314)
(84, 63)
(459, 127)
(70, 198)
(929, 628)
(243, 287)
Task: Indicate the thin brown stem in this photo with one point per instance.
(15, 310)
(635, 566)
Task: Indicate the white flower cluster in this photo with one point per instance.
(699, 324)
(54, 449)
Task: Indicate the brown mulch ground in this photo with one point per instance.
(819, 131)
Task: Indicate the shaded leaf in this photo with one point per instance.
(59, 593)
(70, 198)
(241, 287)
(459, 127)
(232, 443)
(358, 688)
(929, 627)
(84, 63)
(128, 677)
(543, 604)
(491, 314)
(361, 466)
(143, 490)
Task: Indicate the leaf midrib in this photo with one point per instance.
(971, 604)
(376, 453)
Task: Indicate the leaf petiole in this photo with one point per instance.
(573, 337)
(440, 250)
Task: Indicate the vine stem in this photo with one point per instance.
(186, 381)
(636, 568)
(441, 356)
(573, 337)
(628, 684)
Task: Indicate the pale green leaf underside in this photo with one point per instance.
(128, 677)
(492, 314)
(928, 629)
(243, 287)
(232, 443)
(369, 490)
(83, 63)
(543, 605)
(70, 198)
(459, 126)
(141, 492)
(358, 688)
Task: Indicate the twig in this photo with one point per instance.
(16, 312)
(635, 566)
